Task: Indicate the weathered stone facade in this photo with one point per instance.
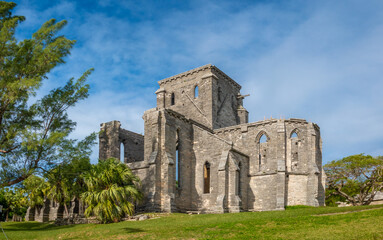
(199, 153)
(51, 211)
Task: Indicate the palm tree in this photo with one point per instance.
(112, 190)
(36, 189)
(59, 187)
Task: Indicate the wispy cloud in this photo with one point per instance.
(316, 60)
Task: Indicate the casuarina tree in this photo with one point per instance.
(32, 134)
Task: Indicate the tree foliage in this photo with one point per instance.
(356, 178)
(112, 190)
(14, 202)
(36, 189)
(65, 181)
(33, 136)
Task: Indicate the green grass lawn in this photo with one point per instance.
(294, 223)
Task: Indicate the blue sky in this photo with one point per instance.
(318, 60)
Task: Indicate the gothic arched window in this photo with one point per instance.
(262, 150)
(238, 179)
(206, 178)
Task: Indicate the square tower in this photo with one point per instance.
(205, 95)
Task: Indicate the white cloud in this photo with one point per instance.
(319, 61)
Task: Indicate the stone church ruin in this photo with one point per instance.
(200, 154)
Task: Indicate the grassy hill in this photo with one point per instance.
(365, 222)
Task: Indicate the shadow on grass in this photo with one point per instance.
(133, 230)
(32, 226)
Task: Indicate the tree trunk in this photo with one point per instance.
(66, 210)
(15, 181)
(6, 215)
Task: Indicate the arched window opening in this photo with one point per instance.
(122, 152)
(294, 135)
(196, 91)
(238, 179)
(173, 100)
(219, 94)
(262, 150)
(206, 178)
(178, 159)
(263, 139)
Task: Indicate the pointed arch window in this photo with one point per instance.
(263, 139)
(206, 177)
(238, 179)
(262, 150)
(173, 99)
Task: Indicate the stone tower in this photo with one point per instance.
(204, 94)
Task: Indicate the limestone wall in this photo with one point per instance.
(133, 146)
(51, 211)
(297, 186)
(285, 155)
